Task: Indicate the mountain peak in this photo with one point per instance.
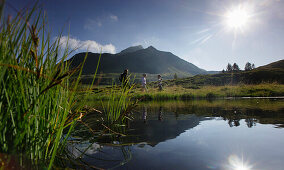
(131, 49)
(151, 48)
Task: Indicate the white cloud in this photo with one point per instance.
(113, 17)
(88, 45)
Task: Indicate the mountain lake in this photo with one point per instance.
(236, 134)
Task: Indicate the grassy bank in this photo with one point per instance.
(230, 104)
(208, 92)
(201, 92)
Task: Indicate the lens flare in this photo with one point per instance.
(236, 163)
(237, 18)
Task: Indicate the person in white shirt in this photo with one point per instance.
(143, 81)
(160, 82)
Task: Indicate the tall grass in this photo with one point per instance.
(118, 103)
(36, 98)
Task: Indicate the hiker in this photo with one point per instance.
(124, 78)
(160, 82)
(143, 81)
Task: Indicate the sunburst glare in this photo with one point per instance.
(238, 18)
(236, 163)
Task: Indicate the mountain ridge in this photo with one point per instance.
(131, 49)
(137, 59)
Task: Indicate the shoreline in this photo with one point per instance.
(260, 91)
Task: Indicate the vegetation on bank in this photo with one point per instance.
(229, 104)
(178, 92)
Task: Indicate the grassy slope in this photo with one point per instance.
(270, 73)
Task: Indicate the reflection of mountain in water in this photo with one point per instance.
(165, 121)
(159, 128)
(162, 125)
(251, 116)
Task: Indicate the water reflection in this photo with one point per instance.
(195, 135)
(237, 163)
(144, 115)
(251, 122)
(160, 116)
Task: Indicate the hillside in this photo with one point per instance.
(270, 73)
(275, 65)
(137, 60)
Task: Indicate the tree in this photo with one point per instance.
(229, 68)
(235, 67)
(248, 66)
(252, 66)
(223, 71)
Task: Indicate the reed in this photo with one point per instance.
(119, 103)
(36, 98)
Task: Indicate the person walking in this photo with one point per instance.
(143, 81)
(160, 82)
(124, 78)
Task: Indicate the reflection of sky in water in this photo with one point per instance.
(214, 145)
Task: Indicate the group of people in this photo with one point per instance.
(124, 80)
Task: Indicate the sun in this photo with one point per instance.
(237, 18)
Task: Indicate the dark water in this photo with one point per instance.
(222, 134)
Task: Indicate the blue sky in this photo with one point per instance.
(195, 30)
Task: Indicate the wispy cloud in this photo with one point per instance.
(88, 45)
(113, 17)
(92, 23)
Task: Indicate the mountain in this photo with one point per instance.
(137, 60)
(131, 49)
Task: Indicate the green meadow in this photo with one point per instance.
(176, 92)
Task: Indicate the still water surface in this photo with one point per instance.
(242, 134)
